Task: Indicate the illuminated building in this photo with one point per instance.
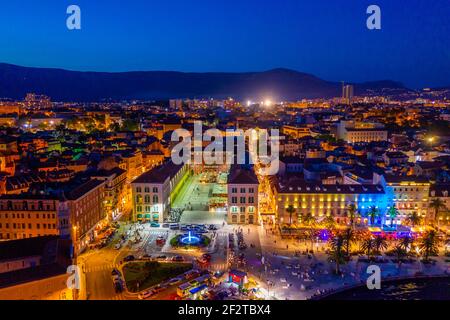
(27, 216)
(408, 194)
(115, 191)
(322, 200)
(354, 131)
(242, 187)
(154, 191)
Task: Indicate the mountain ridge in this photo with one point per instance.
(86, 86)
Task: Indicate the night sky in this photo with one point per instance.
(327, 38)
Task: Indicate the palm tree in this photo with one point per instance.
(373, 213)
(413, 219)
(351, 211)
(393, 212)
(437, 204)
(349, 237)
(291, 210)
(309, 220)
(399, 252)
(336, 252)
(380, 243)
(329, 222)
(406, 243)
(368, 245)
(429, 244)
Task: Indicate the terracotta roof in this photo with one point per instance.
(159, 174)
(240, 175)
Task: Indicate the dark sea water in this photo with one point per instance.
(412, 289)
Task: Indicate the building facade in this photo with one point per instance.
(242, 187)
(154, 191)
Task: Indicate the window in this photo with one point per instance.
(242, 209)
(233, 199)
(147, 189)
(242, 190)
(242, 200)
(251, 209)
(138, 189)
(155, 199)
(233, 190)
(234, 209)
(155, 189)
(251, 200)
(251, 190)
(147, 198)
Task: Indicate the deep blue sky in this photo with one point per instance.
(328, 38)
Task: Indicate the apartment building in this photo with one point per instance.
(242, 187)
(84, 209)
(322, 200)
(28, 216)
(115, 193)
(154, 191)
(409, 194)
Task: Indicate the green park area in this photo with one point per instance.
(141, 275)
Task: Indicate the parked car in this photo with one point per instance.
(154, 225)
(146, 294)
(129, 258)
(174, 281)
(178, 258)
(166, 225)
(158, 288)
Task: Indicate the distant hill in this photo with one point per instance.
(65, 85)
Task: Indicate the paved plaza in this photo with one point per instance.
(194, 198)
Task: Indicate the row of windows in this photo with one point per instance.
(24, 206)
(147, 199)
(236, 209)
(30, 226)
(234, 218)
(147, 209)
(22, 216)
(7, 236)
(242, 200)
(243, 190)
(147, 189)
(406, 189)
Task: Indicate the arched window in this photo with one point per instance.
(147, 199)
(155, 199)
